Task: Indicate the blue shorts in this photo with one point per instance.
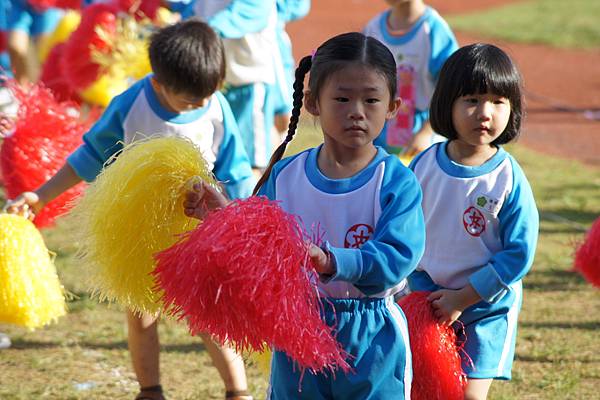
(488, 331)
(253, 112)
(375, 333)
(22, 17)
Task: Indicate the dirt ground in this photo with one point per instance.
(562, 86)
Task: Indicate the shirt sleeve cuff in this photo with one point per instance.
(488, 284)
(84, 164)
(347, 263)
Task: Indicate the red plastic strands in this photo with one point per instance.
(437, 371)
(587, 255)
(53, 77)
(46, 132)
(76, 63)
(243, 276)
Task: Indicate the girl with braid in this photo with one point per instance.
(368, 205)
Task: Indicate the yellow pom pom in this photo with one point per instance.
(133, 210)
(262, 360)
(103, 90)
(30, 293)
(405, 159)
(67, 25)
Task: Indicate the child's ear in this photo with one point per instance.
(310, 103)
(394, 107)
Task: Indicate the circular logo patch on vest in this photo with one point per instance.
(474, 221)
(357, 235)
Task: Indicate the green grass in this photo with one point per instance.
(84, 355)
(552, 22)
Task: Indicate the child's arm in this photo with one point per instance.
(241, 17)
(62, 181)
(397, 243)
(519, 225)
(232, 166)
(449, 304)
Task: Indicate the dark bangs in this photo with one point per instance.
(477, 69)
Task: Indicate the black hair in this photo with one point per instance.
(188, 57)
(334, 55)
(477, 69)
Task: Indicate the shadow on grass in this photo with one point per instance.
(548, 280)
(549, 359)
(118, 345)
(586, 326)
(569, 220)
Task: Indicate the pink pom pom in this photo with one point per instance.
(437, 371)
(76, 63)
(587, 256)
(46, 132)
(243, 275)
(53, 78)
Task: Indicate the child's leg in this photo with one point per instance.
(477, 389)
(231, 368)
(144, 347)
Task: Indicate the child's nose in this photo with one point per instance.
(484, 111)
(356, 111)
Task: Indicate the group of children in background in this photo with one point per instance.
(460, 221)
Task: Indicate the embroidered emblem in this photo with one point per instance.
(357, 235)
(474, 221)
(488, 204)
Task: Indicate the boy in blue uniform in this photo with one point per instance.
(179, 98)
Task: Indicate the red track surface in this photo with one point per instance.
(560, 83)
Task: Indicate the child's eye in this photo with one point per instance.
(372, 101)
(471, 100)
(341, 99)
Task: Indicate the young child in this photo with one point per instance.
(368, 206)
(480, 215)
(179, 98)
(23, 24)
(421, 41)
(248, 29)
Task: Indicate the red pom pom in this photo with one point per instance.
(2, 41)
(69, 4)
(46, 132)
(143, 9)
(437, 371)
(243, 276)
(76, 63)
(53, 78)
(587, 256)
(41, 5)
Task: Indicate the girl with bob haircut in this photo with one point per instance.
(480, 215)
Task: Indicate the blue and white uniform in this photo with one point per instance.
(248, 29)
(373, 228)
(137, 113)
(287, 10)
(23, 17)
(481, 228)
(420, 54)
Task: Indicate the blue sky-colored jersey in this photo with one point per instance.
(482, 222)
(137, 113)
(372, 222)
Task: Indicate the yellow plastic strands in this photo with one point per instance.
(133, 210)
(128, 57)
(30, 292)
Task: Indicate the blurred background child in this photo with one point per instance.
(421, 41)
(480, 214)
